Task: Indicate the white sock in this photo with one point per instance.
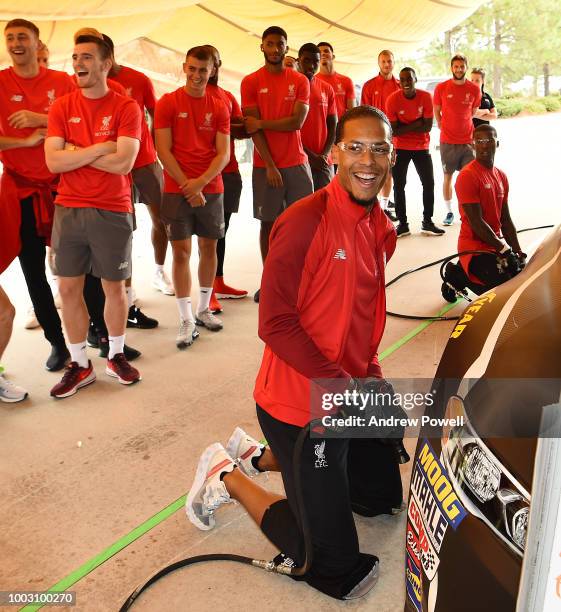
(116, 345)
(384, 202)
(448, 204)
(130, 296)
(204, 298)
(185, 309)
(159, 268)
(78, 353)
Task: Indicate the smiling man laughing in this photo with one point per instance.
(321, 315)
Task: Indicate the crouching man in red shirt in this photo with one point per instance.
(93, 137)
(322, 314)
(482, 191)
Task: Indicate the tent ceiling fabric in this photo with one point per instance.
(357, 29)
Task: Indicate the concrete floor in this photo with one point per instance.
(63, 504)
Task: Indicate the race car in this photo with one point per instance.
(471, 485)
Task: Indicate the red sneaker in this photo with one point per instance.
(121, 369)
(74, 378)
(224, 292)
(214, 305)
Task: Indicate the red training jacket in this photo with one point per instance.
(322, 309)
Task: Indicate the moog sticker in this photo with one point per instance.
(440, 486)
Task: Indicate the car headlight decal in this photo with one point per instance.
(480, 474)
(483, 485)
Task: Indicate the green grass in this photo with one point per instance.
(510, 106)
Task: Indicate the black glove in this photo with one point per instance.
(381, 390)
(382, 404)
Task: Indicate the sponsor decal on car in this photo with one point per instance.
(430, 515)
(413, 581)
(418, 544)
(471, 312)
(440, 485)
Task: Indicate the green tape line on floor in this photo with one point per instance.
(161, 516)
(98, 560)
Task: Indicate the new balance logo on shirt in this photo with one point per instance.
(264, 90)
(340, 254)
(183, 115)
(16, 98)
(74, 120)
(123, 265)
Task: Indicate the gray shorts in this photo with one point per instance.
(269, 202)
(182, 221)
(322, 177)
(455, 156)
(149, 183)
(92, 240)
(232, 192)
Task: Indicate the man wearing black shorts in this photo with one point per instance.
(318, 298)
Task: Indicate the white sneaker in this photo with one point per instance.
(187, 334)
(208, 492)
(208, 320)
(31, 321)
(162, 283)
(242, 448)
(11, 393)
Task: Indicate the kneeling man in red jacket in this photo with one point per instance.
(322, 313)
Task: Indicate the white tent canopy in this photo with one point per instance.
(357, 29)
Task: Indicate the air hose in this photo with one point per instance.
(443, 261)
(269, 566)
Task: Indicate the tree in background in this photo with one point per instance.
(509, 38)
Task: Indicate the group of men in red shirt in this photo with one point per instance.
(323, 308)
(191, 129)
(291, 115)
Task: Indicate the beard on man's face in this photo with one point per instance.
(364, 203)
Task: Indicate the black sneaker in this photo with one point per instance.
(256, 296)
(58, 358)
(448, 293)
(139, 320)
(402, 230)
(430, 229)
(390, 215)
(103, 344)
(92, 338)
(391, 205)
